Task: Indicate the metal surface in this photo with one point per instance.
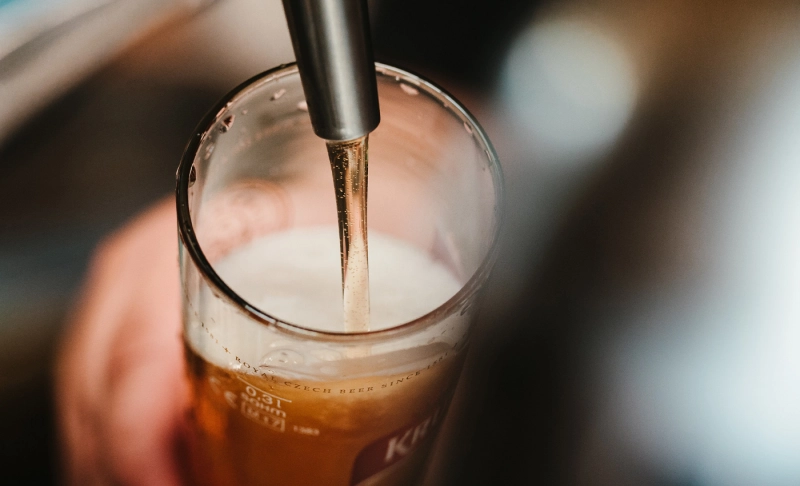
(332, 44)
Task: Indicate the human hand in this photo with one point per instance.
(120, 388)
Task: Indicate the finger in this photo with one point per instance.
(148, 395)
(82, 366)
(83, 356)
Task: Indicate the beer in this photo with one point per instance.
(349, 167)
(291, 419)
(273, 430)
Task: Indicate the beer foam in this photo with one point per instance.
(295, 276)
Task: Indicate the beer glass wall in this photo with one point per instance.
(281, 395)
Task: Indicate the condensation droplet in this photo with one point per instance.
(281, 357)
(192, 176)
(276, 95)
(409, 90)
(227, 123)
(302, 105)
(244, 112)
(468, 128)
(209, 151)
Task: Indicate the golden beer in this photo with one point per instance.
(270, 430)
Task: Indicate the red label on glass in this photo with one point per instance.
(393, 448)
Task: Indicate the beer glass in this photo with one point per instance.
(283, 403)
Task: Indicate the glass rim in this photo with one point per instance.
(189, 239)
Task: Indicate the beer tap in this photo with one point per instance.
(331, 40)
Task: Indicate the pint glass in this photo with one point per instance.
(280, 401)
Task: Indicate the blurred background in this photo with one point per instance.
(643, 325)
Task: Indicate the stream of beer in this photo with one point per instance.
(349, 166)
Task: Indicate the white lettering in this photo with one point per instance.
(420, 431)
(398, 446)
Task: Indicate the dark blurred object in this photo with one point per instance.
(69, 177)
(656, 342)
(464, 42)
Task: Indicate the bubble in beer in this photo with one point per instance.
(283, 356)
